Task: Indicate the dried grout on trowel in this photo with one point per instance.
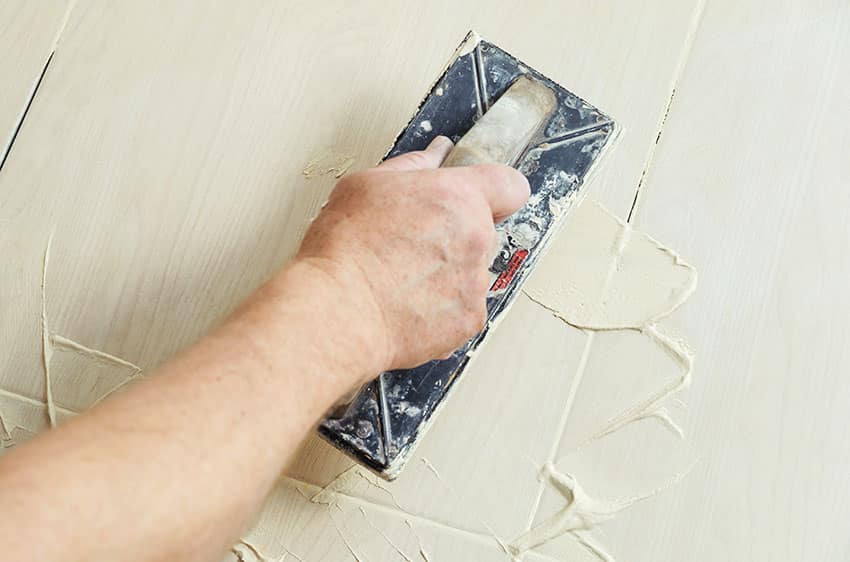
(503, 133)
(497, 110)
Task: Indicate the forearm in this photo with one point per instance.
(174, 467)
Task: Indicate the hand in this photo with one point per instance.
(415, 242)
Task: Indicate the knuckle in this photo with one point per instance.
(494, 173)
(417, 158)
(511, 179)
(446, 190)
(480, 240)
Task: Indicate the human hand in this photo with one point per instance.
(414, 242)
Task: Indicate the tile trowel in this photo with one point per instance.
(497, 110)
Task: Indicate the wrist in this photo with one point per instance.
(337, 322)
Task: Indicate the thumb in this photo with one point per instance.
(429, 158)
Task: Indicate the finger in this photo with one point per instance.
(504, 188)
(427, 159)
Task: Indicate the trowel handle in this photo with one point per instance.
(501, 135)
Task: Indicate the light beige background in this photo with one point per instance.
(164, 150)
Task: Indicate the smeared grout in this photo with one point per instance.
(422, 552)
(116, 388)
(344, 481)
(663, 416)
(581, 514)
(328, 163)
(455, 529)
(290, 553)
(679, 351)
(4, 430)
(469, 43)
(33, 401)
(342, 536)
(432, 468)
(61, 342)
(502, 544)
(394, 511)
(50, 340)
(46, 349)
(587, 541)
(254, 550)
(562, 425)
(341, 482)
(584, 313)
(384, 535)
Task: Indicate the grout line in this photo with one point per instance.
(681, 64)
(65, 18)
(68, 344)
(63, 24)
(46, 345)
(562, 424)
(677, 76)
(34, 402)
(23, 115)
(400, 513)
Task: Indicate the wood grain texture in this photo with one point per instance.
(749, 181)
(165, 151)
(28, 32)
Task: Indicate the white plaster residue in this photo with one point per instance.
(472, 40)
(422, 552)
(4, 431)
(426, 126)
(61, 342)
(51, 341)
(46, 349)
(255, 552)
(345, 541)
(430, 466)
(328, 162)
(581, 514)
(344, 483)
(384, 536)
(652, 406)
(600, 274)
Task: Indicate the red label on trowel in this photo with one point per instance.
(504, 279)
